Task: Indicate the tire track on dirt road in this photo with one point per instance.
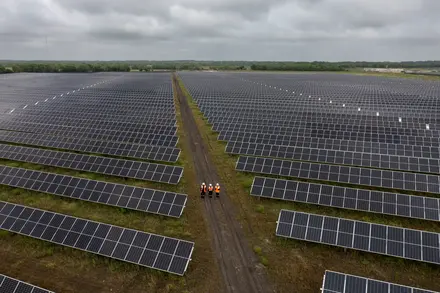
(240, 268)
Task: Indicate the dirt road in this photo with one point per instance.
(240, 268)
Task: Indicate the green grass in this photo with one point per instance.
(257, 250)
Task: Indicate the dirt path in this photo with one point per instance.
(240, 268)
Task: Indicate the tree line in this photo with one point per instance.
(73, 66)
(66, 67)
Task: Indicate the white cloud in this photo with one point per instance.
(220, 29)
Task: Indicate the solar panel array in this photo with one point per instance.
(11, 285)
(364, 236)
(329, 130)
(141, 248)
(82, 118)
(335, 282)
(373, 126)
(120, 115)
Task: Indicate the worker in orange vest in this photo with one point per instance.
(203, 190)
(217, 190)
(210, 189)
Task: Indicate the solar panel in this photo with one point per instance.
(145, 249)
(335, 282)
(295, 121)
(342, 174)
(71, 131)
(96, 164)
(410, 206)
(364, 236)
(323, 133)
(119, 195)
(100, 119)
(336, 157)
(306, 126)
(11, 285)
(146, 152)
(418, 151)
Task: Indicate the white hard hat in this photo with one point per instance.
(217, 184)
(210, 184)
(203, 183)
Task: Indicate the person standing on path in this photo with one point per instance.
(210, 189)
(203, 190)
(217, 190)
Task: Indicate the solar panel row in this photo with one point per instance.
(335, 282)
(364, 236)
(410, 206)
(341, 174)
(364, 116)
(140, 118)
(413, 164)
(334, 134)
(119, 195)
(141, 248)
(87, 120)
(146, 152)
(101, 165)
(418, 151)
(309, 126)
(37, 115)
(359, 118)
(326, 107)
(11, 285)
(294, 119)
(91, 129)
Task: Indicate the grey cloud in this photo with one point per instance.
(220, 29)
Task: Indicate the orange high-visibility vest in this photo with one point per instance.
(210, 188)
(203, 188)
(217, 188)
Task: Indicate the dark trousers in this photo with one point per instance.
(210, 193)
(202, 194)
(217, 194)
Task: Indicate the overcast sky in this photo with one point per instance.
(296, 30)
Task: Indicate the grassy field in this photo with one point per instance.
(64, 269)
(296, 265)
